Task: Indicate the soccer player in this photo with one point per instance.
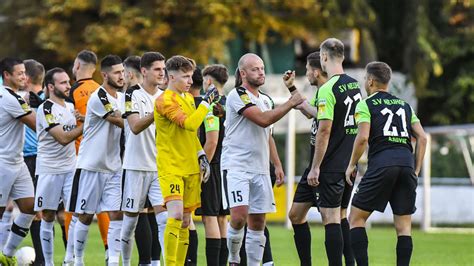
(16, 181)
(245, 158)
(97, 181)
(83, 70)
(276, 173)
(387, 124)
(212, 208)
(34, 97)
(140, 178)
(146, 231)
(305, 195)
(180, 156)
(56, 162)
(336, 130)
(195, 91)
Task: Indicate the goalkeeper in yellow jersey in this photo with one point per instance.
(182, 163)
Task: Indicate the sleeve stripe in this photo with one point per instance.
(25, 114)
(245, 107)
(51, 126)
(126, 114)
(107, 114)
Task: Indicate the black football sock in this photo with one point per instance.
(191, 258)
(213, 248)
(35, 237)
(243, 254)
(143, 235)
(333, 243)
(360, 244)
(224, 253)
(64, 236)
(267, 252)
(155, 243)
(404, 250)
(346, 235)
(302, 239)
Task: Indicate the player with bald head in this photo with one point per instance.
(245, 160)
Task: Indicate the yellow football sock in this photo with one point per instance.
(172, 231)
(183, 244)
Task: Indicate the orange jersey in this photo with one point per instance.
(80, 92)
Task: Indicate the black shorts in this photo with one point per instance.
(333, 190)
(327, 194)
(211, 194)
(394, 184)
(304, 192)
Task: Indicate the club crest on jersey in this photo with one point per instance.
(322, 106)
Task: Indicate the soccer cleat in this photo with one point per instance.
(7, 261)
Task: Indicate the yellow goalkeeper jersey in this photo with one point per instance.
(177, 144)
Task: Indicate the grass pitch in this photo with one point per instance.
(429, 249)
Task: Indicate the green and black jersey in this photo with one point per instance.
(390, 121)
(336, 100)
(212, 123)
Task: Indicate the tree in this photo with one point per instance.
(55, 30)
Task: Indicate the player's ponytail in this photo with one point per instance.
(238, 78)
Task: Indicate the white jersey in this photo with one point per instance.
(140, 150)
(245, 146)
(54, 158)
(100, 147)
(12, 131)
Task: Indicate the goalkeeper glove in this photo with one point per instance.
(204, 167)
(212, 95)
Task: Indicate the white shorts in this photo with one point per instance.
(51, 188)
(15, 183)
(137, 185)
(95, 192)
(252, 190)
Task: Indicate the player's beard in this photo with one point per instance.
(114, 85)
(60, 94)
(255, 82)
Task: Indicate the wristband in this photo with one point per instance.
(292, 88)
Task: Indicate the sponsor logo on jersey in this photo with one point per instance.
(49, 119)
(322, 106)
(210, 120)
(25, 107)
(245, 98)
(108, 107)
(128, 106)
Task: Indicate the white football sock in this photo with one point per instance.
(254, 247)
(161, 221)
(126, 237)
(69, 257)
(20, 228)
(47, 241)
(5, 227)
(234, 242)
(113, 241)
(80, 239)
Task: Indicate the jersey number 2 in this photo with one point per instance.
(393, 132)
(349, 119)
